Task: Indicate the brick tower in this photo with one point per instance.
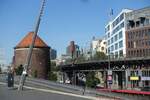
(40, 60)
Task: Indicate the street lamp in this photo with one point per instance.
(109, 72)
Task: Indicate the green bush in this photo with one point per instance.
(0, 69)
(100, 56)
(35, 73)
(52, 76)
(19, 70)
(91, 80)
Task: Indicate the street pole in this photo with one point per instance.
(109, 72)
(28, 59)
(109, 61)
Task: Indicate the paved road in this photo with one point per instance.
(28, 94)
(67, 92)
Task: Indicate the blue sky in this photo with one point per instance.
(63, 21)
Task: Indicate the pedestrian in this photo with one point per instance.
(83, 84)
(83, 88)
(10, 79)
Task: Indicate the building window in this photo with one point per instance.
(149, 32)
(122, 25)
(129, 53)
(116, 37)
(108, 50)
(116, 46)
(143, 52)
(147, 21)
(134, 44)
(112, 40)
(128, 44)
(104, 43)
(112, 48)
(118, 28)
(121, 44)
(132, 53)
(121, 53)
(108, 35)
(108, 42)
(120, 34)
(107, 28)
(121, 17)
(116, 54)
(102, 48)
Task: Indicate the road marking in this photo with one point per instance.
(53, 91)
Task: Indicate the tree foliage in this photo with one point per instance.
(53, 63)
(35, 73)
(19, 70)
(80, 59)
(100, 56)
(0, 69)
(52, 76)
(54, 67)
(91, 80)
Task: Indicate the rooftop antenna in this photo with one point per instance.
(28, 59)
(111, 14)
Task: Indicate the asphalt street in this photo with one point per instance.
(28, 94)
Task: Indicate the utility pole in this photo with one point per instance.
(28, 59)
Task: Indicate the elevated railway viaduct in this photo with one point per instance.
(123, 73)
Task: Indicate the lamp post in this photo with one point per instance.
(109, 72)
(28, 59)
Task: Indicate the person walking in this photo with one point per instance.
(10, 79)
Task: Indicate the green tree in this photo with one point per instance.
(0, 69)
(54, 67)
(91, 80)
(80, 59)
(100, 56)
(35, 73)
(19, 70)
(52, 76)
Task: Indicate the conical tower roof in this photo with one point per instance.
(27, 40)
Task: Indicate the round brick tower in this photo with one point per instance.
(40, 59)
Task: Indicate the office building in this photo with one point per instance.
(73, 50)
(53, 54)
(115, 35)
(138, 33)
(98, 45)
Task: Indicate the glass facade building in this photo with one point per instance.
(115, 35)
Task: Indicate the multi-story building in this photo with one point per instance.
(40, 59)
(2, 59)
(128, 35)
(115, 34)
(138, 45)
(73, 50)
(99, 45)
(53, 54)
(138, 33)
(63, 59)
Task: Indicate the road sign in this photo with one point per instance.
(109, 72)
(110, 82)
(109, 78)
